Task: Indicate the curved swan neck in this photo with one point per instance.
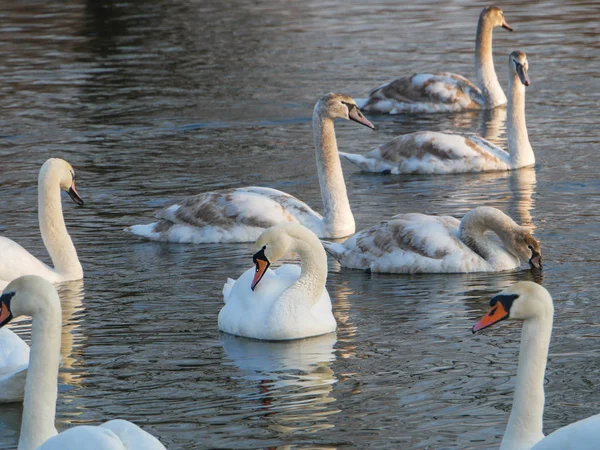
(313, 268)
(525, 423)
(52, 226)
(519, 148)
(477, 222)
(39, 405)
(487, 79)
(337, 216)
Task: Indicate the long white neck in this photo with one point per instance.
(521, 153)
(39, 405)
(477, 222)
(337, 216)
(313, 269)
(487, 80)
(524, 427)
(53, 229)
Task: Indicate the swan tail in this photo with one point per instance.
(367, 164)
(335, 250)
(147, 231)
(227, 287)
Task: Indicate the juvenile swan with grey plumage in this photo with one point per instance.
(417, 243)
(533, 304)
(240, 215)
(432, 152)
(55, 175)
(288, 303)
(34, 296)
(446, 92)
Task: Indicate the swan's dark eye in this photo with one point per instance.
(530, 247)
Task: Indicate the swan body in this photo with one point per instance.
(14, 359)
(241, 215)
(533, 304)
(418, 243)
(34, 296)
(288, 303)
(55, 175)
(430, 152)
(446, 92)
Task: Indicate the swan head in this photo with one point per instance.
(276, 242)
(522, 301)
(340, 106)
(526, 247)
(495, 16)
(23, 297)
(517, 64)
(63, 172)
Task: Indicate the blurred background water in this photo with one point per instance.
(156, 100)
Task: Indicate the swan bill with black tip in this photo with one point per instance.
(262, 264)
(74, 194)
(535, 260)
(500, 310)
(5, 312)
(355, 115)
(507, 26)
(522, 72)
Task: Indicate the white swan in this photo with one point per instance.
(413, 243)
(532, 303)
(240, 215)
(445, 92)
(34, 296)
(55, 174)
(433, 152)
(288, 303)
(14, 359)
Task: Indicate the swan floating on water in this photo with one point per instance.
(446, 92)
(34, 296)
(532, 303)
(431, 152)
(288, 303)
(418, 243)
(242, 214)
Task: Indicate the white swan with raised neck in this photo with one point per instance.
(419, 243)
(242, 214)
(446, 92)
(432, 152)
(55, 175)
(533, 304)
(288, 303)
(34, 296)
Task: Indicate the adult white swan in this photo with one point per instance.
(413, 243)
(36, 297)
(445, 92)
(532, 303)
(432, 152)
(55, 175)
(240, 215)
(288, 303)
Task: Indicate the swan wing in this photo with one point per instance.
(408, 243)
(14, 360)
(581, 435)
(433, 152)
(425, 92)
(230, 215)
(16, 262)
(113, 435)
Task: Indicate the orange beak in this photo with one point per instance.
(496, 314)
(5, 313)
(261, 268)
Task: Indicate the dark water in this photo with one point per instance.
(152, 101)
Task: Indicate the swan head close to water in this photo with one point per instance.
(276, 242)
(340, 106)
(61, 171)
(527, 248)
(517, 63)
(522, 301)
(495, 17)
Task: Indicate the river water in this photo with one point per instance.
(152, 101)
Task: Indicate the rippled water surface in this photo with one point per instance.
(152, 101)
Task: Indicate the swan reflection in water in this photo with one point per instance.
(293, 380)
